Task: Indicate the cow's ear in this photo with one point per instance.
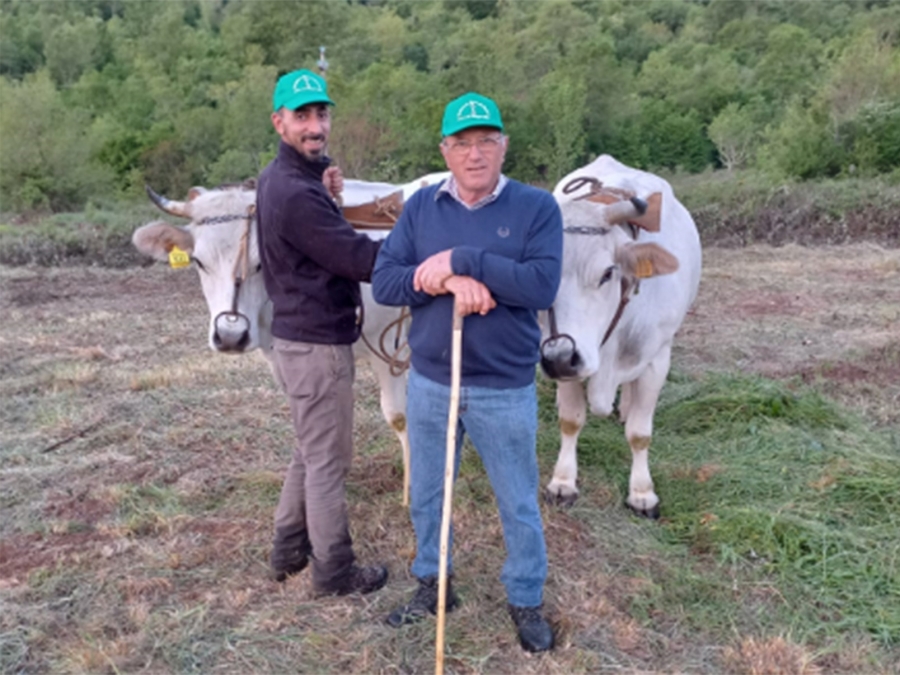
(157, 240)
(646, 260)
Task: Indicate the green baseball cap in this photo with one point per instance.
(470, 110)
(298, 89)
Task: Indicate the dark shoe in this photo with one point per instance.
(424, 601)
(360, 580)
(290, 553)
(281, 571)
(535, 634)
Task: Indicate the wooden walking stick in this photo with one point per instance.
(452, 423)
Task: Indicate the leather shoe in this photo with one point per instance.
(535, 634)
(424, 602)
(290, 553)
(283, 571)
(358, 579)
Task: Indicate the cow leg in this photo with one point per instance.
(571, 410)
(638, 431)
(625, 394)
(393, 407)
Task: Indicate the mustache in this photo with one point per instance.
(313, 137)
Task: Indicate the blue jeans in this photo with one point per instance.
(502, 424)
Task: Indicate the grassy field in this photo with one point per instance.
(139, 473)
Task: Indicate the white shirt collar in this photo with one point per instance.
(451, 188)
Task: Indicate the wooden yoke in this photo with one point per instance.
(380, 214)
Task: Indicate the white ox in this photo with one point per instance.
(611, 253)
(222, 243)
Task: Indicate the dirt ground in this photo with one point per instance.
(828, 317)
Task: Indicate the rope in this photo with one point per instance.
(391, 357)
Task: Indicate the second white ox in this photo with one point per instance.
(221, 242)
(624, 293)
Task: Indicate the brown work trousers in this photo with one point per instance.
(318, 380)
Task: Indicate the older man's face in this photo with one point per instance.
(475, 157)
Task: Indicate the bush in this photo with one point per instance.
(801, 147)
(99, 237)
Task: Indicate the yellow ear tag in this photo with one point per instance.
(179, 258)
(643, 269)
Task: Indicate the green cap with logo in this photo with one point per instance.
(298, 89)
(470, 110)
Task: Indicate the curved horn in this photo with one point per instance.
(621, 212)
(642, 213)
(179, 209)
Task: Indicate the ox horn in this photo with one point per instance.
(641, 213)
(179, 209)
(625, 210)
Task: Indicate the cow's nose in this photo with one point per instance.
(231, 332)
(560, 359)
(562, 370)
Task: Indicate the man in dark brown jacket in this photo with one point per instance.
(312, 263)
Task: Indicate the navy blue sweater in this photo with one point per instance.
(512, 245)
(312, 258)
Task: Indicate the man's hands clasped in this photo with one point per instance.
(435, 277)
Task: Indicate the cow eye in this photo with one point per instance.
(607, 275)
(198, 263)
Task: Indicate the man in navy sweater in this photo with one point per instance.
(312, 263)
(495, 246)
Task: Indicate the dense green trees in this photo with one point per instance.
(98, 97)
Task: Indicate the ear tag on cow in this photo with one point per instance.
(179, 258)
(643, 269)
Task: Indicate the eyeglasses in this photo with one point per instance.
(485, 144)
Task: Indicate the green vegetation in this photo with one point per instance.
(730, 208)
(98, 97)
(764, 485)
(95, 236)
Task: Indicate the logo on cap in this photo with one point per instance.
(473, 110)
(306, 83)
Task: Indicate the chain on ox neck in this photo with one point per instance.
(585, 229)
(216, 220)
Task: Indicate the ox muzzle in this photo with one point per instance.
(231, 330)
(559, 355)
(560, 359)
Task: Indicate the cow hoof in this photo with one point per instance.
(560, 498)
(651, 513)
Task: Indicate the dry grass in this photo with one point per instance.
(139, 471)
(775, 656)
(830, 316)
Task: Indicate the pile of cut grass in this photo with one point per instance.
(780, 512)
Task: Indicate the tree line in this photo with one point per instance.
(99, 97)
